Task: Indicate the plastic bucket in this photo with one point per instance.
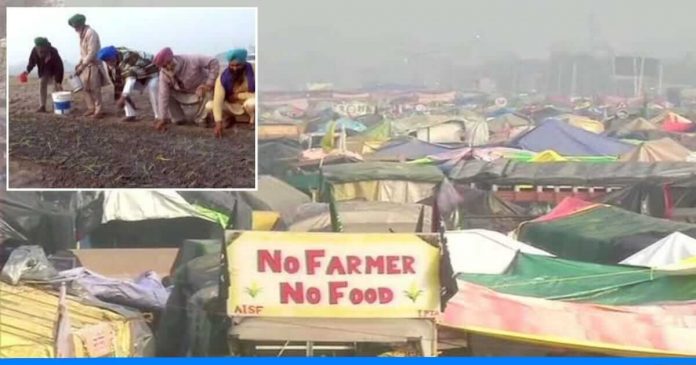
(62, 102)
(75, 83)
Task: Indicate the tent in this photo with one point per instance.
(554, 278)
(552, 156)
(370, 140)
(469, 127)
(380, 181)
(479, 251)
(663, 199)
(157, 218)
(670, 250)
(276, 157)
(566, 207)
(665, 149)
(581, 122)
(618, 127)
(506, 126)
(275, 195)
(657, 330)
(565, 139)
(600, 233)
(406, 148)
(547, 112)
(672, 122)
(508, 172)
(463, 207)
(366, 217)
(120, 218)
(27, 219)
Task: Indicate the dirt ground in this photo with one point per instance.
(54, 151)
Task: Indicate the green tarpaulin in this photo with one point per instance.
(370, 171)
(560, 279)
(603, 234)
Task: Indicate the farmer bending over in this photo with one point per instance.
(184, 80)
(50, 67)
(129, 70)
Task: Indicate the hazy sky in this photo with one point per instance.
(186, 30)
(319, 40)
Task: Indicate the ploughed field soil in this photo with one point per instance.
(55, 151)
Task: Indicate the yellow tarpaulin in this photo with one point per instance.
(581, 122)
(27, 325)
(548, 156)
(264, 221)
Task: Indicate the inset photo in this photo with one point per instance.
(102, 98)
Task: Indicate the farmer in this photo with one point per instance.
(50, 67)
(234, 91)
(129, 70)
(184, 80)
(89, 68)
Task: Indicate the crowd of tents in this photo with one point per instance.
(583, 272)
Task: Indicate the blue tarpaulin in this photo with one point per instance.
(556, 135)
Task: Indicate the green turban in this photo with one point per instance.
(237, 54)
(40, 42)
(77, 20)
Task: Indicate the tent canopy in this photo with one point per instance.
(664, 149)
(670, 250)
(359, 216)
(406, 148)
(601, 234)
(588, 327)
(555, 278)
(275, 195)
(370, 171)
(505, 122)
(479, 251)
(507, 172)
(556, 135)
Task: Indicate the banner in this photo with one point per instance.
(332, 275)
(354, 109)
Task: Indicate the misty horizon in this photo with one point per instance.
(305, 41)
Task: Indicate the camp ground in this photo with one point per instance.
(423, 209)
(381, 234)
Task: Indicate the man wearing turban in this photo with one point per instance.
(50, 67)
(235, 91)
(184, 80)
(131, 70)
(89, 68)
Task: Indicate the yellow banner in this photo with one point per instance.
(334, 275)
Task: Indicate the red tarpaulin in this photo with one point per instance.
(565, 208)
(657, 330)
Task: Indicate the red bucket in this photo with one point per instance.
(23, 78)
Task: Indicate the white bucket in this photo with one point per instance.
(75, 83)
(62, 102)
